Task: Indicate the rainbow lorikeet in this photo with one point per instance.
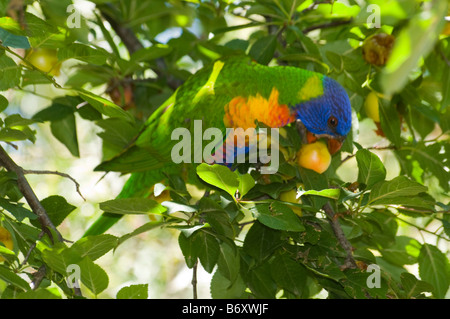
(230, 93)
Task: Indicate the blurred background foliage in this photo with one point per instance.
(120, 60)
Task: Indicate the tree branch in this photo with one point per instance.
(31, 198)
(339, 233)
(45, 172)
(194, 281)
(133, 44)
(125, 34)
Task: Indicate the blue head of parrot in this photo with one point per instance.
(329, 115)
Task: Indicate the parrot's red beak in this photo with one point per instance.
(334, 145)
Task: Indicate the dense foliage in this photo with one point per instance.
(381, 208)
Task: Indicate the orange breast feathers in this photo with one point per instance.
(243, 111)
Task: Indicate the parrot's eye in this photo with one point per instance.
(332, 121)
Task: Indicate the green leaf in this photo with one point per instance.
(12, 135)
(3, 103)
(39, 293)
(7, 254)
(9, 73)
(219, 176)
(400, 186)
(41, 33)
(94, 246)
(288, 274)
(412, 286)
(105, 106)
(57, 208)
(356, 285)
(59, 258)
(83, 53)
(87, 112)
(132, 206)
(259, 280)
(17, 210)
(188, 249)
(60, 108)
(14, 41)
(11, 278)
(133, 292)
(385, 228)
(261, 241)
(16, 120)
(434, 269)
(420, 201)
(116, 136)
(332, 193)
(404, 252)
(314, 181)
(434, 158)
(263, 49)
(223, 288)
(274, 189)
(335, 59)
(229, 261)
(93, 276)
(207, 249)
(246, 183)
(217, 217)
(371, 169)
(188, 231)
(173, 207)
(277, 216)
(65, 131)
(390, 122)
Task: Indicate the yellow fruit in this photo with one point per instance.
(6, 240)
(291, 197)
(372, 107)
(45, 60)
(314, 156)
(377, 48)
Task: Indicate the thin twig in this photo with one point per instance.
(30, 250)
(339, 233)
(421, 228)
(31, 198)
(46, 172)
(194, 280)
